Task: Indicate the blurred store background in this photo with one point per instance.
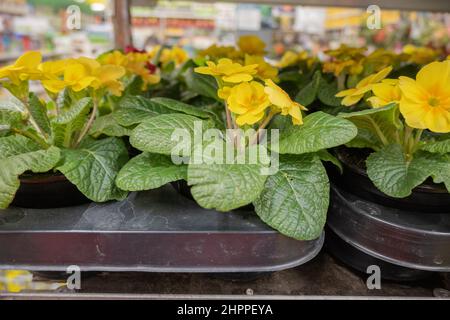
(49, 26)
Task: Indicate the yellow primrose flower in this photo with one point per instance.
(420, 55)
(76, 76)
(252, 45)
(425, 102)
(281, 100)
(247, 100)
(265, 70)
(352, 96)
(385, 92)
(229, 71)
(54, 69)
(85, 72)
(25, 68)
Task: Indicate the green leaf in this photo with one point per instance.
(94, 166)
(81, 107)
(308, 94)
(204, 85)
(64, 134)
(10, 119)
(226, 186)
(319, 131)
(442, 171)
(394, 175)
(19, 154)
(136, 109)
(155, 134)
(327, 92)
(181, 107)
(149, 171)
(376, 127)
(324, 155)
(107, 125)
(13, 104)
(295, 199)
(441, 147)
(39, 113)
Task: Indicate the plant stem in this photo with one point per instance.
(258, 134)
(88, 125)
(32, 136)
(32, 121)
(341, 81)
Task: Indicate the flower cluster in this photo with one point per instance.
(247, 85)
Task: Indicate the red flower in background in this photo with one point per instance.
(131, 49)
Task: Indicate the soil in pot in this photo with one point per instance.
(428, 197)
(49, 190)
(185, 190)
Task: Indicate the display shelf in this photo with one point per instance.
(154, 231)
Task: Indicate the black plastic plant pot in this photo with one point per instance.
(42, 191)
(366, 233)
(184, 189)
(360, 261)
(426, 198)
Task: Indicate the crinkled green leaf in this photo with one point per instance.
(319, 131)
(374, 125)
(149, 171)
(19, 154)
(295, 200)
(327, 92)
(202, 84)
(226, 186)
(178, 106)
(39, 113)
(394, 175)
(93, 168)
(308, 94)
(155, 134)
(136, 109)
(81, 107)
(107, 125)
(441, 147)
(324, 155)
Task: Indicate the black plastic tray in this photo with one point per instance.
(411, 240)
(154, 231)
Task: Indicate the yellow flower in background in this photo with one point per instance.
(344, 52)
(420, 55)
(281, 100)
(352, 96)
(25, 68)
(290, 58)
(247, 100)
(252, 45)
(425, 102)
(264, 70)
(385, 92)
(229, 71)
(337, 67)
(116, 58)
(176, 54)
(381, 58)
(138, 64)
(215, 52)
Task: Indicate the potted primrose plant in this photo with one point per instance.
(292, 199)
(47, 157)
(401, 155)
